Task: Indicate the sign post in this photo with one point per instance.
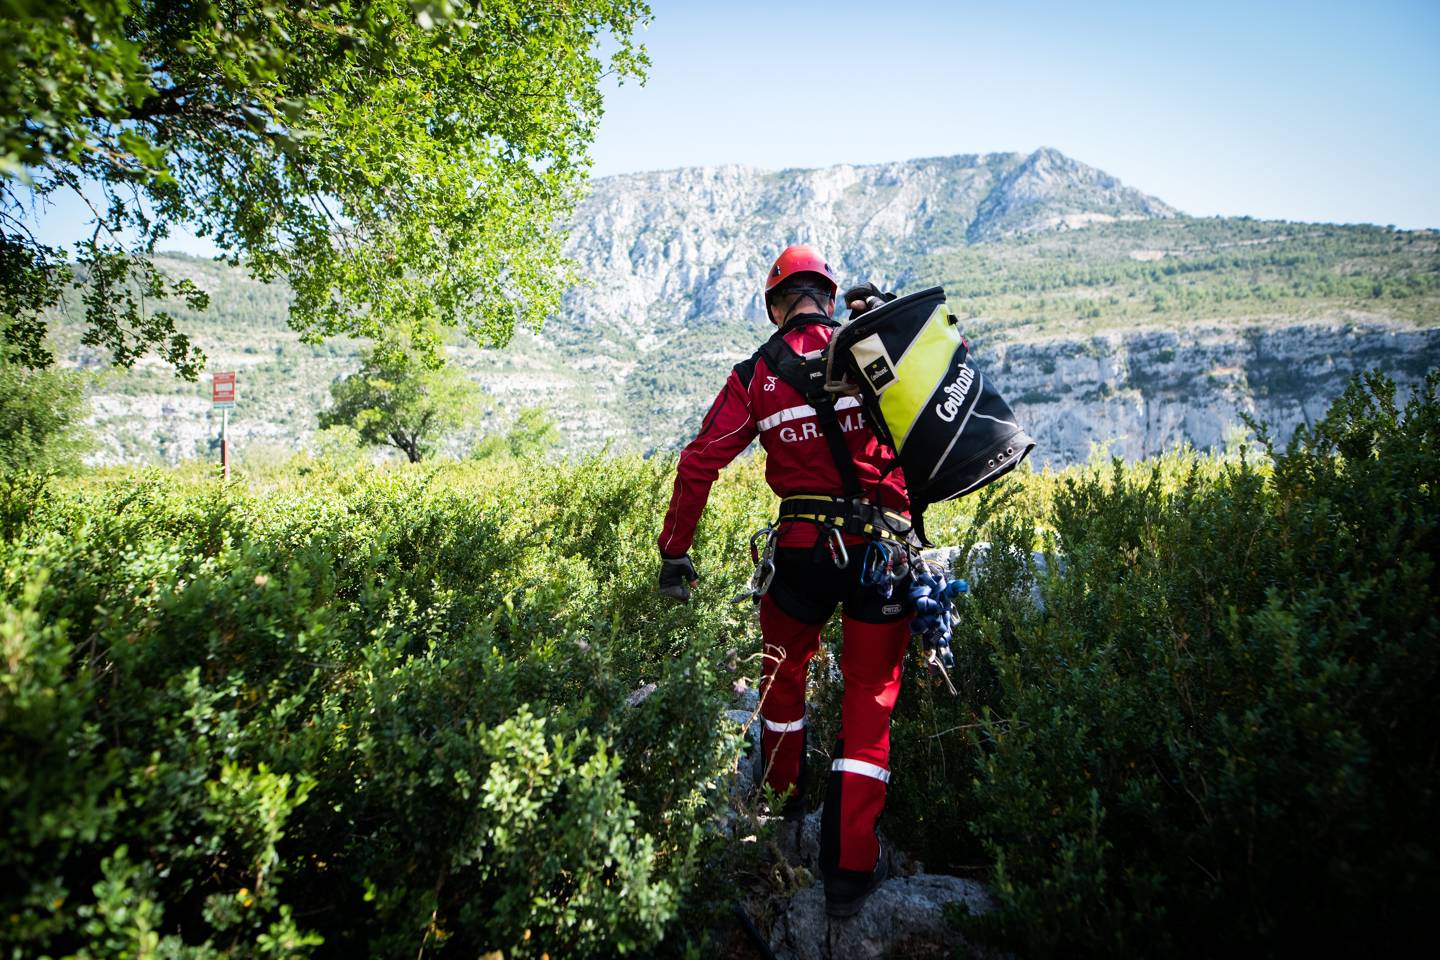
(222, 398)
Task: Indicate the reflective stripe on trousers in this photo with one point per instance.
(870, 663)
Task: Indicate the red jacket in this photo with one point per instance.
(798, 460)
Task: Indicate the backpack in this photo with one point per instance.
(951, 430)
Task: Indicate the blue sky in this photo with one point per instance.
(1303, 111)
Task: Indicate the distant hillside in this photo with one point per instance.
(1113, 317)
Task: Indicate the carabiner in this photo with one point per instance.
(764, 576)
(936, 665)
(764, 559)
(838, 554)
(874, 565)
(867, 578)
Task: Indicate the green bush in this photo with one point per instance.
(1217, 735)
(41, 420)
(385, 713)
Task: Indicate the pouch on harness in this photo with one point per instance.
(923, 396)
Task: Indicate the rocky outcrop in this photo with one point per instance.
(1048, 189)
(1141, 392)
(904, 917)
(908, 915)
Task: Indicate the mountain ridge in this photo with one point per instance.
(685, 247)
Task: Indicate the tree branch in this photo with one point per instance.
(163, 103)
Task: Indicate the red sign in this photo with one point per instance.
(222, 391)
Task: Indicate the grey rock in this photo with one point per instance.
(748, 700)
(904, 917)
(744, 783)
(639, 695)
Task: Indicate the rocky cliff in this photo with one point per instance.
(1137, 393)
(683, 248)
(674, 260)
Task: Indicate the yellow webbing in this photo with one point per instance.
(831, 516)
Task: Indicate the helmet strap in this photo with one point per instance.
(817, 295)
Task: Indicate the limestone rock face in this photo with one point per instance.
(667, 249)
(1141, 392)
(673, 299)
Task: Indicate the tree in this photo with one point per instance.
(533, 433)
(404, 164)
(396, 399)
(41, 420)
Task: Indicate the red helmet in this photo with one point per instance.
(799, 258)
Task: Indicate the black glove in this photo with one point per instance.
(677, 576)
(871, 295)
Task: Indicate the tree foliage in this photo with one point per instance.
(403, 164)
(41, 414)
(533, 434)
(395, 399)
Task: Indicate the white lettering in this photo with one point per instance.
(955, 392)
(807, 431)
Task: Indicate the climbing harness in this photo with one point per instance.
(854, 516)
(884, 564)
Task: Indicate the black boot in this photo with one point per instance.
(847, 890)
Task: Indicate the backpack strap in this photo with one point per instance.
(835, 437)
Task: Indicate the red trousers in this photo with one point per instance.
(870, 663)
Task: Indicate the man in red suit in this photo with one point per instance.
(840, 492)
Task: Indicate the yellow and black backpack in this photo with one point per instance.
(924, 396)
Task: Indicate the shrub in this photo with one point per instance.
(1217, 734)
(386, 711)
(41, 420)
(382, 712)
